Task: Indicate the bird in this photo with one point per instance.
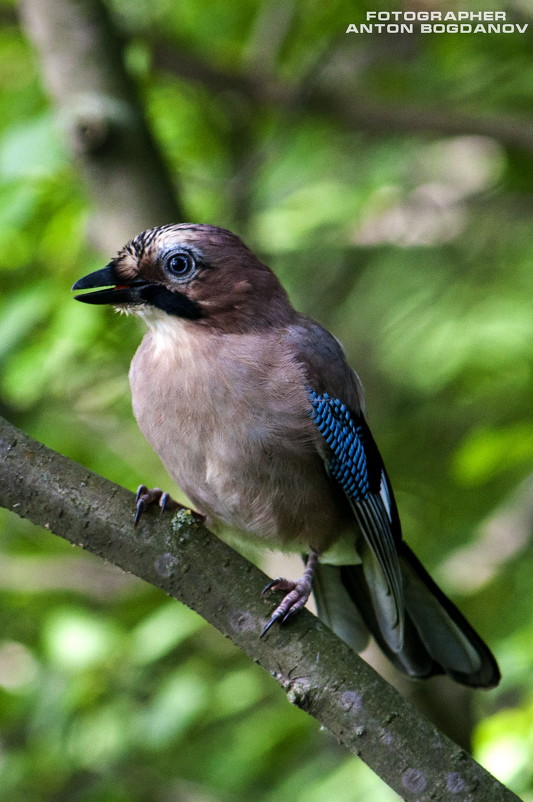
(257, 416)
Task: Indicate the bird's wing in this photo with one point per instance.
(353, 461)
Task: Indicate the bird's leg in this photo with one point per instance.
(146, 496)
(297, 595)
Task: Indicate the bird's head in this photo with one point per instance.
(197, 273)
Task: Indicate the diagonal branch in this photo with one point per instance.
(319, 673)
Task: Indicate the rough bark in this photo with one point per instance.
(99, 109)
(318, 672)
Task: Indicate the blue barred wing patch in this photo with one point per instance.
(347, 465)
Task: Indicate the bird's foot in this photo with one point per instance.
(296, 596)
(146, 496)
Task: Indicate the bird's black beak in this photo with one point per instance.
(114, 290)
(117, 291)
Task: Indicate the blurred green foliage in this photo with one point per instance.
(415, 250)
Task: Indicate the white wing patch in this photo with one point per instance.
(385, 496)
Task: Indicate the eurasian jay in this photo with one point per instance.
(257, 416)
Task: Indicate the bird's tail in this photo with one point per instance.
(437, 639)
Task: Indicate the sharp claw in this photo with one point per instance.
(268, 625)
(270, 586)
(281, 614)
(163, 502)
(289, 613)
(140, 490)
(143, 497)
(139, 509)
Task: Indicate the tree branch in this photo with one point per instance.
(350, 109)
(318, 672)
(102, 117)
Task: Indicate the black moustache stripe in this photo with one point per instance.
(173, 303)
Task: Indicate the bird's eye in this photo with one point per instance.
(180, 264)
